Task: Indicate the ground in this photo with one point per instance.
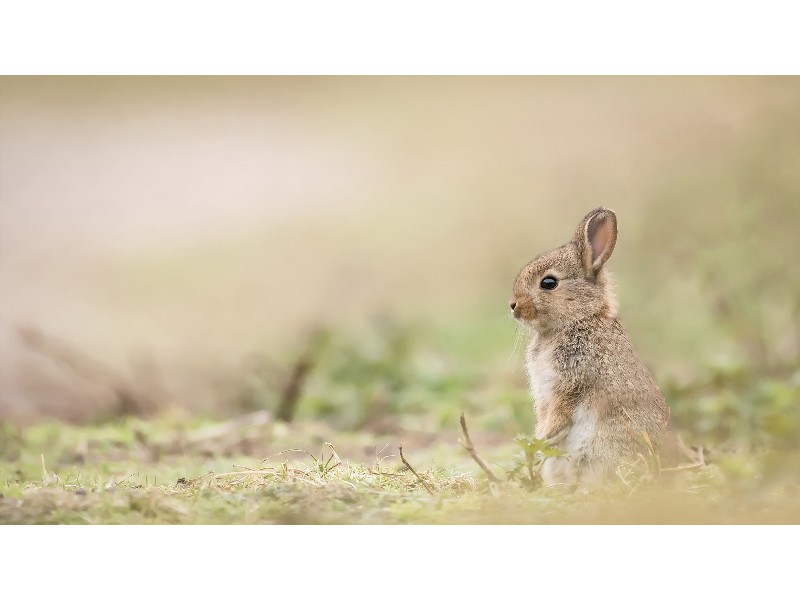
(176, 469)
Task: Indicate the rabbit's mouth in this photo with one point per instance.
(523, 311)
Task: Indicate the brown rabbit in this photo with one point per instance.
(593, 397)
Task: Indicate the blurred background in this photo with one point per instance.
(222, 245)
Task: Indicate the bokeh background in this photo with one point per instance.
(181, 243)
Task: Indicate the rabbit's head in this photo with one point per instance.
(568, 284)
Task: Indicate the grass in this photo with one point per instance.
(338, 461)
(114, 485)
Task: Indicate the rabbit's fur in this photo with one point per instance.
(593, 397)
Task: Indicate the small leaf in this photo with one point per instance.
(552, 453)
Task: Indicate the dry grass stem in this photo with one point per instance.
(410, 468)
(467, 443)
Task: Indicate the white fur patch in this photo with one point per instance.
(563, 470)
(584, 428)
(541, 377)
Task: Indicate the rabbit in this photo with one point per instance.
(593, 396)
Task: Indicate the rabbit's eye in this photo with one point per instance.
(549, 283)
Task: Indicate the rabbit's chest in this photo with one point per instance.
(542, 377)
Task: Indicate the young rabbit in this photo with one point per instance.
(593, 396)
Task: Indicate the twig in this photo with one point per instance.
(67, 356)
(405, 462)
(124, 480)
(297, 378)
(263, 460)
(334, 456)
(291, 392)
(474, 453)
(701, 463)
(130, 400)
(245, 473)
(387, 474)
(683, 468)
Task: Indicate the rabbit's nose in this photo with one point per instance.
(513, 304)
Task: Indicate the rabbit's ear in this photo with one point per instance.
(595, 238)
